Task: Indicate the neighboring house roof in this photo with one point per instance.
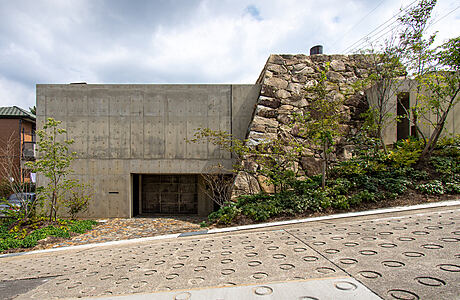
(14, 112)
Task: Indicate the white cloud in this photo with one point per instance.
(15, 93)
(199, 41)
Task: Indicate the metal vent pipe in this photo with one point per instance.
(318, 49)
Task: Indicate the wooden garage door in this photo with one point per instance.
(169, 194)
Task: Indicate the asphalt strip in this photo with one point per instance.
(246, 227)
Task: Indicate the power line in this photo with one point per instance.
(436, 21)
(381, 25)
(356, 24)
(373, 39)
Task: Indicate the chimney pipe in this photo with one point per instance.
(318, 49)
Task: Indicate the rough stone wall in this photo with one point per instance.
(284, 80)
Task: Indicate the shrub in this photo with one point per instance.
(445, 165)
(452, 188)
(362, 196)
(341, 202)
(341, 186)
(5, 188)
(78, 200)
(434, 187)
(260, 211)
(18, 237)
(395, 185)
(406, 152)
(225, 214)
(419, 175)
(366, 182)
(349, 168)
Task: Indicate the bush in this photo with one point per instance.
(18, 237)
(452, 188)
(366, 182)
(341, 186)
(5, 188)
(362, 196)
(225, 214)
(341, 202)
(434, 187)
(445, 165)
(419, 175)
(406, 152)
(78, 200)
(395, 185)
(448, 146)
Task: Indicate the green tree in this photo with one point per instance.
(406, 53)
(53, 162)
(384, 72)
(273, 159)
(415, 51)
(442, 85)
(320, 124)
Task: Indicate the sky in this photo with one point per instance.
(180, 41)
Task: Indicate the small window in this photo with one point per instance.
(402, 110)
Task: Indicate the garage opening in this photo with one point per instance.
(169, 194)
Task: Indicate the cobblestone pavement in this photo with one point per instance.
(405, 255)
(123, 229)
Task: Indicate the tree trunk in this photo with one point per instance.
(429, 146)
(324, 169)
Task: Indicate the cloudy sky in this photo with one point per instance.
(178, 41)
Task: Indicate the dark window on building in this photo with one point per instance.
(402, 110)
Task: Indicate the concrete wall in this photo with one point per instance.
(390, 133)
(121, 130)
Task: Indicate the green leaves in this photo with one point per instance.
(54, 162)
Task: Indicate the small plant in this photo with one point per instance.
(225, 214)
(406, 152)
(419, 175)
(78, 200)
(398, 186)
(20, 237)
(452, 188)
(341, 202)
(434, 187)
(445, 165)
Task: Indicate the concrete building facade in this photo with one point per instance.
(131, 140)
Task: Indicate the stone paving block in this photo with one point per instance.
(411, 256)
(217, 260)
(343, 288)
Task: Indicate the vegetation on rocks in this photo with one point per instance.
(369, 177)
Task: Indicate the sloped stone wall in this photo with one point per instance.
(284, 80)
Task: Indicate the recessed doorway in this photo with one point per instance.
(169, 194)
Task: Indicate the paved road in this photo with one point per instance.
(406, 255)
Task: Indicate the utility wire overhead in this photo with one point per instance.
(374, 37)
(346, 50)
(356, 24)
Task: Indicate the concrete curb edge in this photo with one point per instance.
(245, 227)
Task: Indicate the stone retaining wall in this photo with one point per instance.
(284, 80)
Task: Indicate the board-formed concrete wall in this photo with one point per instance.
(125, 129)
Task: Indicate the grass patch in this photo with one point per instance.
(26, 235)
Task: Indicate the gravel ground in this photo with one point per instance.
(124, 229)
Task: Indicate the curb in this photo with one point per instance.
(246, 227)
